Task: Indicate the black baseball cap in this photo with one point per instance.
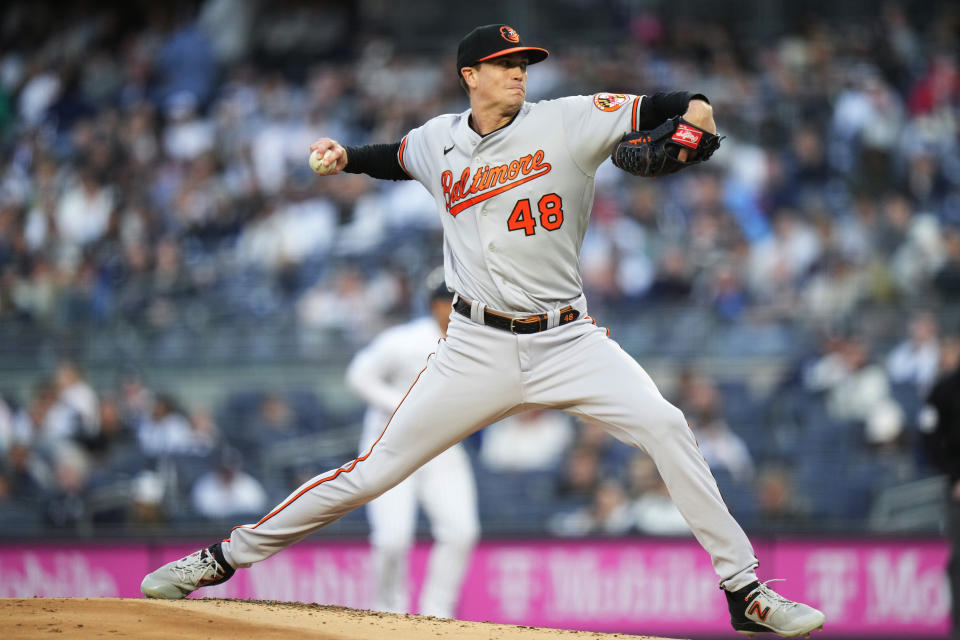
(491, 41)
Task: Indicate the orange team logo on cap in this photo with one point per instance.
(609, 101)
(509, 34)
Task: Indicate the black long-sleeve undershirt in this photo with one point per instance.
(376, 160)
(380, 160)
(657, 107)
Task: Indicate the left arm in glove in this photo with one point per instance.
(676, 144)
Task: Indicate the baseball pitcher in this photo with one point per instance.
(513, 182)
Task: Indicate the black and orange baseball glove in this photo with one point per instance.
(655, 152)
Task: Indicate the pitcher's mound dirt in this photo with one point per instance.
(202, 619)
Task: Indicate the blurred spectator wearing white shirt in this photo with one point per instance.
(721, 446)
(38, 93)
(530, 441)
(855, 388)
(778, 263)
(83, 212)
(342, 302)
(76, 393)
(167, 431)
(52, 420)
(916, 359)
(228, 490)
(187, 135)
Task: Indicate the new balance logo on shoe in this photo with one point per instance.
(755, 610)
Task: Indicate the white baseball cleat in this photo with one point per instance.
(176, 580)
(759, 609)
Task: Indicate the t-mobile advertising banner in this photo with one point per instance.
(878, 589)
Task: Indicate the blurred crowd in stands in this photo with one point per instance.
(153, 175)
(813, 454)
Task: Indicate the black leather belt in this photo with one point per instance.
(528, 324)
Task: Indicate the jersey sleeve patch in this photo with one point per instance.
(609, 101)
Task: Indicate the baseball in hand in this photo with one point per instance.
(322, 164)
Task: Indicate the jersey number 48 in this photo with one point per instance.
(550, 207)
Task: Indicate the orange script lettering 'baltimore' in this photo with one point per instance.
(488, 181)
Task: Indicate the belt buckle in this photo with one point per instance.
(514, 323)
(524, 321)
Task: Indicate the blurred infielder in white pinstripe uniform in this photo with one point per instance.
(513, 182)
(381, 373)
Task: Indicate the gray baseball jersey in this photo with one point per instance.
(515, 203)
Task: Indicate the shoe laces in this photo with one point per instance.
(195, 566)
(770, 594)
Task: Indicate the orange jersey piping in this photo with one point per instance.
(403, 145)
